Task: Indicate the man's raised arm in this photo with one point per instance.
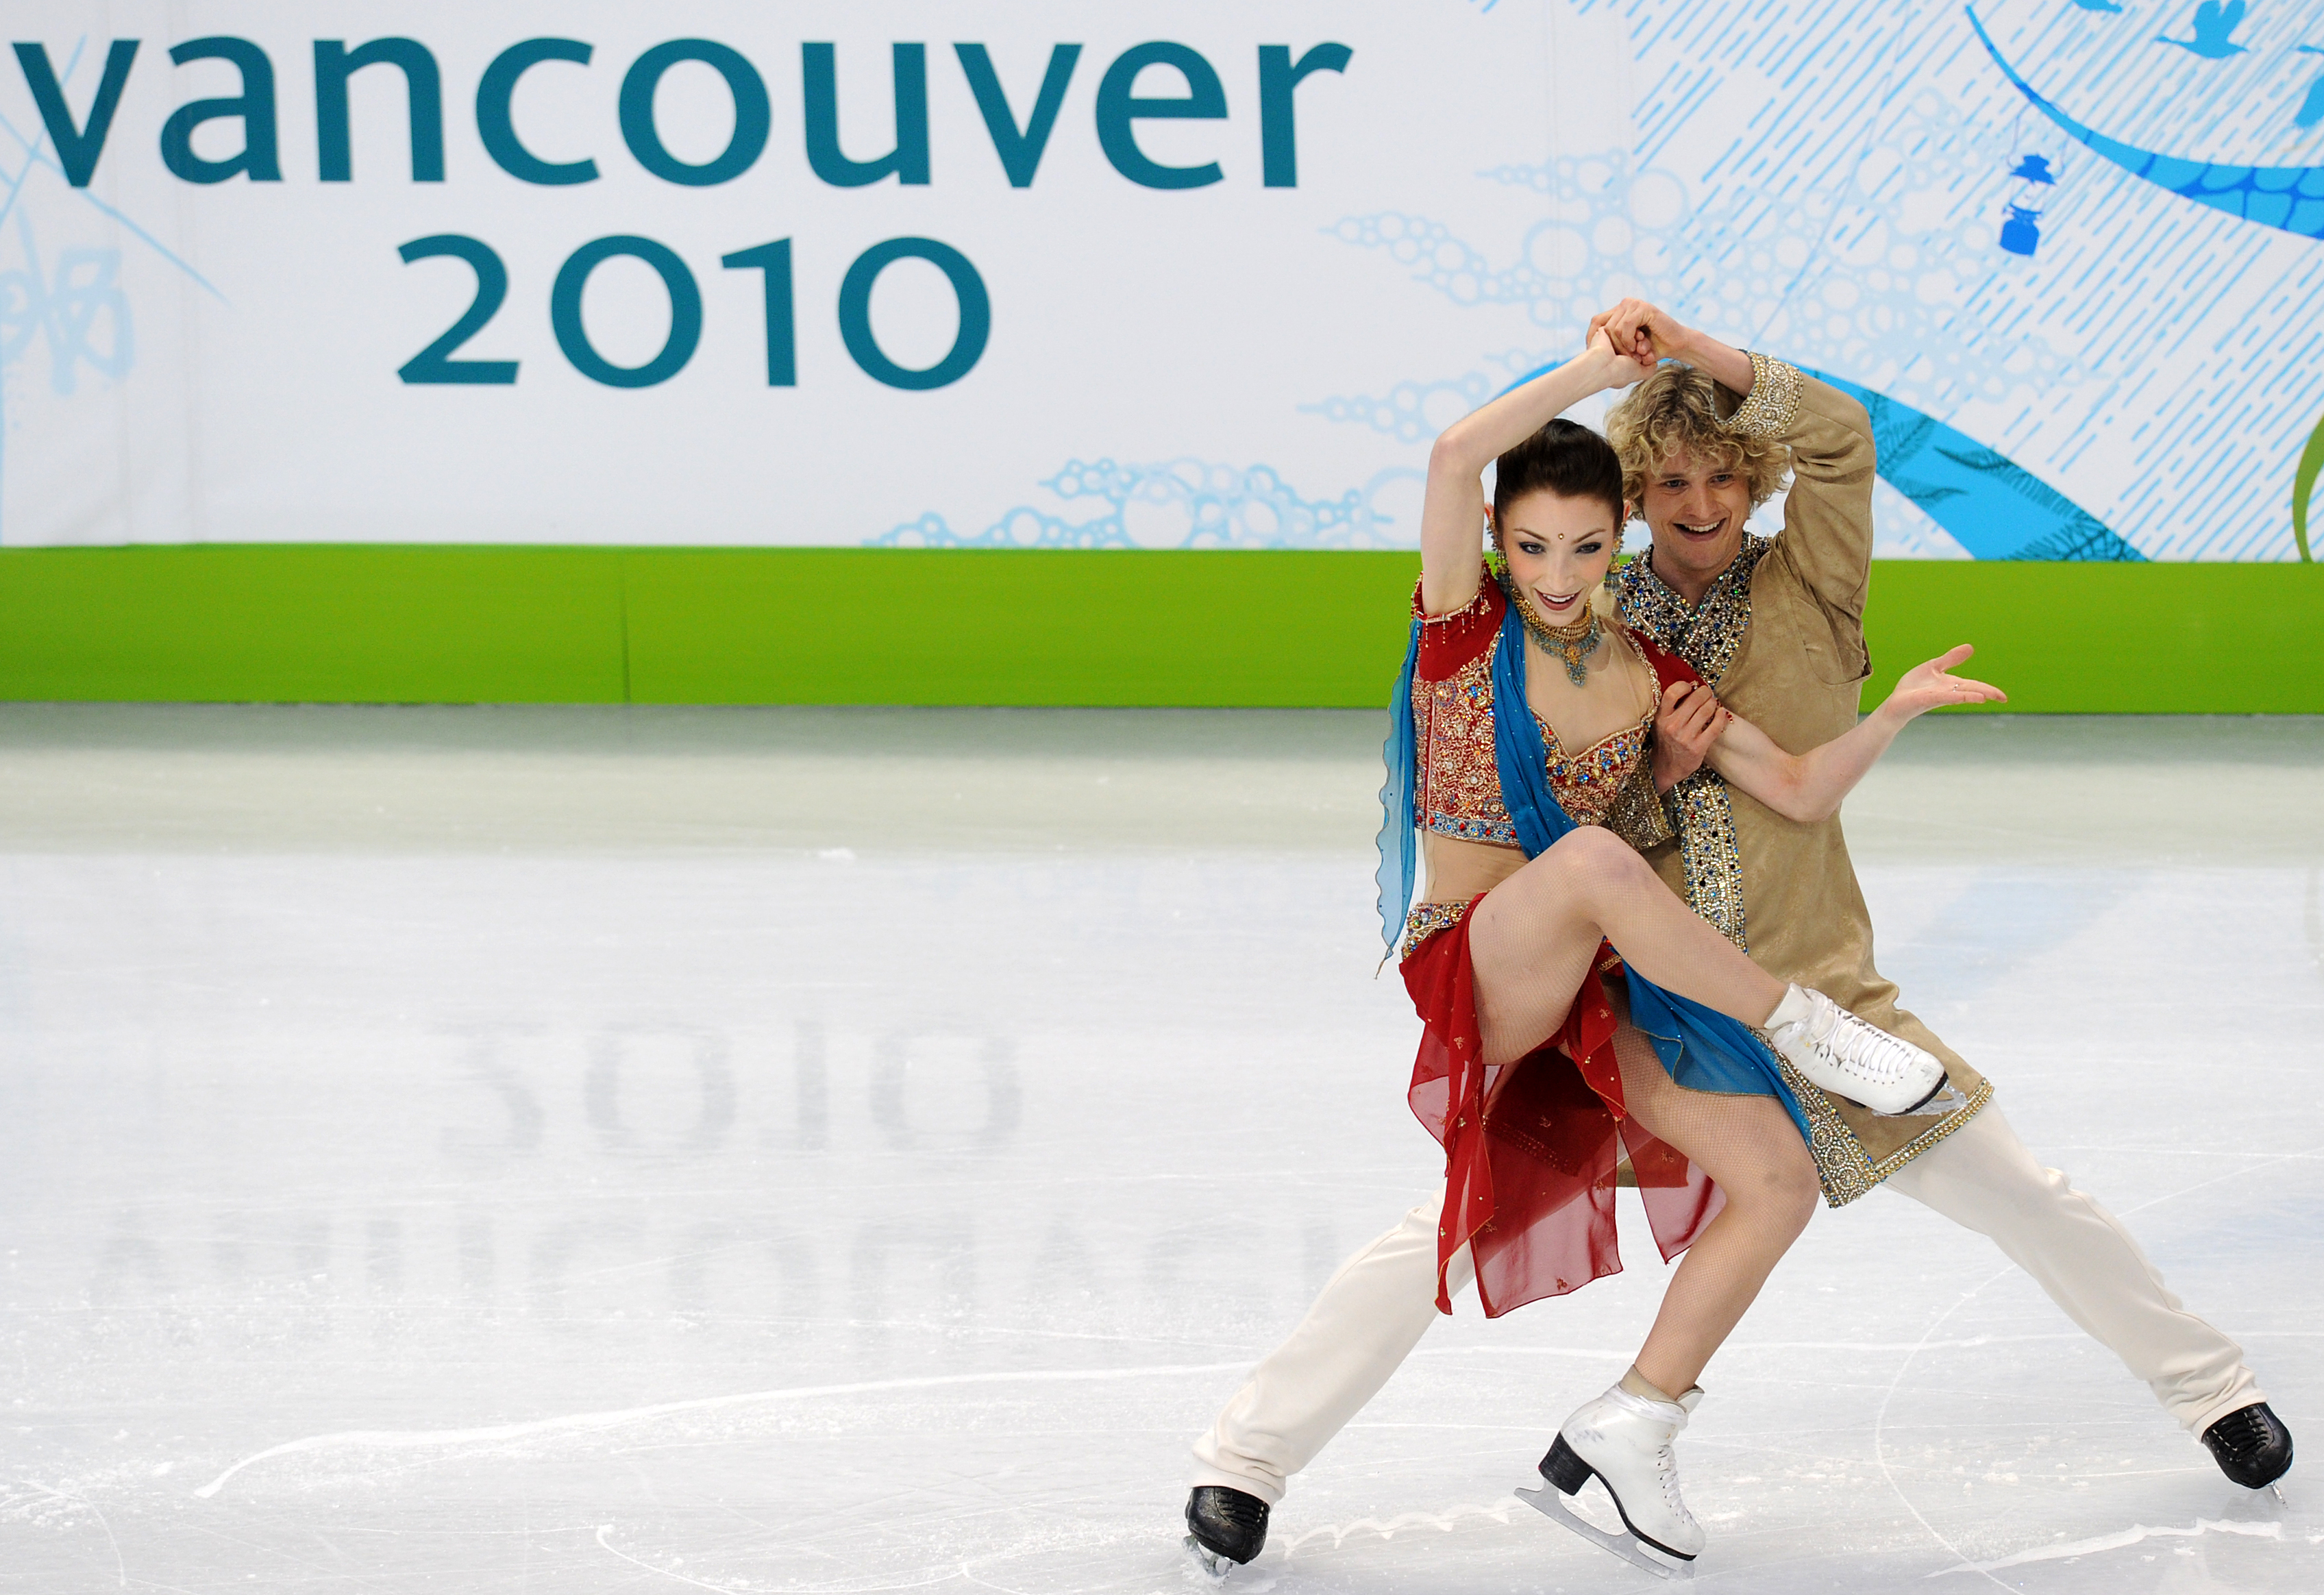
(1828, 509)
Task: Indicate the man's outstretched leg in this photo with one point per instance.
(1366, 1322)
(1983, 1178)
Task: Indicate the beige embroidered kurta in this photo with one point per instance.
(1780, 636)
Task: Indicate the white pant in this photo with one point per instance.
(1373, 1311)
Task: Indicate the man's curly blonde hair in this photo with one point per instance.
(1675, 410)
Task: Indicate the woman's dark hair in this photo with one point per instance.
(1565, 457)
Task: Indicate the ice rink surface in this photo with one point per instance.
(585, 1150)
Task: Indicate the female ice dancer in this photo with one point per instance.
(1522, 734)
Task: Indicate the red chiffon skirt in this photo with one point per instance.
(1530, 1148)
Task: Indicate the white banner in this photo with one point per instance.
(1186, 274)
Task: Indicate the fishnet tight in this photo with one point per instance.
(1749, 1146)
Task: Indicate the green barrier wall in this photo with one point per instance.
(369, 624)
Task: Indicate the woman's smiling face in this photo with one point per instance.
(1558, 550)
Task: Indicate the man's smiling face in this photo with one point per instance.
(1695, 508)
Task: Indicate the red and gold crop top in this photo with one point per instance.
(1458, 789)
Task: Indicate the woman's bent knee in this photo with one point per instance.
(1797, 1192)
(1592, 860)
(1590, 844)
(1783, 1192)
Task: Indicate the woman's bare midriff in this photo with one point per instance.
(1458, 870)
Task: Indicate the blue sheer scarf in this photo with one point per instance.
(1702, 1048)
(1395, 838)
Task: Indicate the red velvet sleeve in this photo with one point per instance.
(1448, 641)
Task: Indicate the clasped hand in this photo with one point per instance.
(1640, 333)
(1687, 722)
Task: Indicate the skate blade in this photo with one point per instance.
(2281, 1497)
(1552, 1505)
(1208, 1563)
(1946, 1098)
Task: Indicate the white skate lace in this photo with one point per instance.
(1666, 1468)
(1864, 1051)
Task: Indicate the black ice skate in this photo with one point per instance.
(1224, 1527)
(2251, 1447)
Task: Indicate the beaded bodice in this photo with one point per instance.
(1458, 789)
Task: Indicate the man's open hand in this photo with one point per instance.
(1933, 686)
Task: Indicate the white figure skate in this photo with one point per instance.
(1624, 1441)
(1854, 1060)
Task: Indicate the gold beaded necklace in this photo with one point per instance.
(1570, 646)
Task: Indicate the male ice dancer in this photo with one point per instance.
(1775, 627)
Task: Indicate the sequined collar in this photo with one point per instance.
(1705, 635)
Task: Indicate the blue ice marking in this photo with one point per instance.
(2215, 25)
(1989, 504)
(2291, 198)
(2098, 6)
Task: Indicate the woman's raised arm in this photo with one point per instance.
(1453, 509)
(1808, 786)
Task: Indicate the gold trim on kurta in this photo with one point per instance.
(1702, 813)
(1773, 401)
(1843, 1168)
(1707, 636)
